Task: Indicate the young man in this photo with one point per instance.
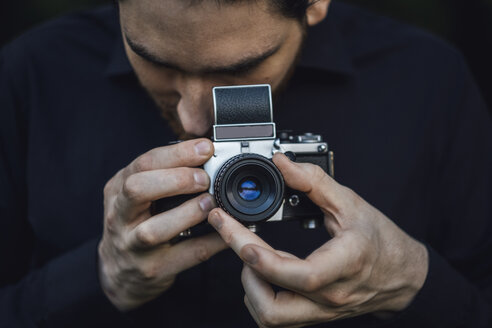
(89, 102)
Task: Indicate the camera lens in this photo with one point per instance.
(249, 187)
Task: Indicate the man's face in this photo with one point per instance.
(180, 51)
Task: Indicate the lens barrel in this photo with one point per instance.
(249, 187)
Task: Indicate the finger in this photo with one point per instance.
(286, 255)
(233, 232)
(189, 153)
(280, 309)
(258, 290)
(285, 271)
(191, 252)
(141, 188)
(252, 311)
(166, 225)
(322, 189)
(303, 276)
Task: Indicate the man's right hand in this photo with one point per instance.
(136, 260)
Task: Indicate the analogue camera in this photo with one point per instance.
(244, 180)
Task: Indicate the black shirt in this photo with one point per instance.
(410, 131)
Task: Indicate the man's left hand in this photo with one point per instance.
(369, 266)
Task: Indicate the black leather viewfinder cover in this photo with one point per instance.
(243, 104)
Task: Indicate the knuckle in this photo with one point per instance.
(314, 173)
(183, 179)
(145, 237)
(337, 298)
(344, 207)
(318, 173)
(228, 237)
(150, 272)
(111, 222)
(182, 150)
(108, 187)
(131, 188)
(202, 253)
(358, 256)
(312, 283)
(349, 192)
(358, 263)
(143, 162)
(355, 201)
(111, 186)
(343, 210)
(178, 152)
(268, 318)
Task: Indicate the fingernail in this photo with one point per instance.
(250, 256)
(202, 148)
(201, 178)
(215, 220)
(206, 203)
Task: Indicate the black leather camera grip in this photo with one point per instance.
(242, 105)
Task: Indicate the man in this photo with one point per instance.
(81, 106)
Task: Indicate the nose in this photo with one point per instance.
(195, 108)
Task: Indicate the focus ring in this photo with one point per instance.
(218, 180)
(222, 178)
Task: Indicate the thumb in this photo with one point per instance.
(322, 189)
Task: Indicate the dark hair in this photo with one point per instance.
(288, 8)
(292, 8)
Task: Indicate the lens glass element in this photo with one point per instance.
(249, 189)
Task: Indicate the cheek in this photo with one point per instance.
(281, 69)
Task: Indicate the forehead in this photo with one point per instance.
(204, 31)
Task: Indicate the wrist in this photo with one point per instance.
(108, 284)
(410, 279)
(415, 267)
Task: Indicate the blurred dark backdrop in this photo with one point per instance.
(465, 24)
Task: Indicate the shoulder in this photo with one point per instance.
(370, 38)
(407, 61)
(63, 40)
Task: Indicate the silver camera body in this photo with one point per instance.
(230, 149)
(244, 180)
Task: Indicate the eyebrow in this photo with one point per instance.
(241, 66)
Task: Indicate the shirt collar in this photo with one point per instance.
(324, 49)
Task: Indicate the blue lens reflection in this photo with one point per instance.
(249, 190)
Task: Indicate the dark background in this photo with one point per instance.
(467, 24)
